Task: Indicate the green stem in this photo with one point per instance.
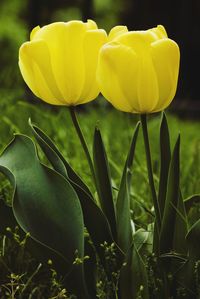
(82, 140)
(150, 171)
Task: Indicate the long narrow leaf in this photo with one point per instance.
(133, 277)
(104, 187)
(55, 157)
(180, 228)
(169, 217)
(165, 157)
(124, 230)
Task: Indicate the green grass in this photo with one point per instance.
(22, 276)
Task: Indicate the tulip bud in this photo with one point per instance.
(138, 70)
(59, 62)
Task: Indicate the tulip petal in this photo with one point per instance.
(136, 40)
(159, 32)
(35, 65)
(54, 35)
(93, 41)
(64, 41)
(91, 25)
(33, 32)
(148, 93)
(139, 40)
(117, 31)
(166, 56)
(116, 74)
(26, 68)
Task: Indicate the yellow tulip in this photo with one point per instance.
(60, 60)
(138, 70)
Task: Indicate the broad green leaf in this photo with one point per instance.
(124, 230)
(45, 204)
(94, 220)
(104, 187)
(37, 249)
(165, 157)
(133, 277)
(44, 254)
(170, 210)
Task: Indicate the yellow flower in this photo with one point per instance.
(138, 70)
(60, 60)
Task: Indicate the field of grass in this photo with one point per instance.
(21, 275)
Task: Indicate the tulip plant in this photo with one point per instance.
(91, 237)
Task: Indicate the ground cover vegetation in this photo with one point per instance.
(22, 274)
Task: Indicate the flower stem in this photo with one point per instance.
(82, 140)
(150, 171)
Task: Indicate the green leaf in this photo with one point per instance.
(133, 277)
(191, 201)
(124, 230)
(37, 249)
(104, 187)
(55, 157)
(45, 204)
(170, 210)
(165, 157)
(50, 150)
(94, 220)
(180, 228)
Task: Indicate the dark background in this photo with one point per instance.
(181, 19)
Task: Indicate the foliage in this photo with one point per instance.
(106, 260)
